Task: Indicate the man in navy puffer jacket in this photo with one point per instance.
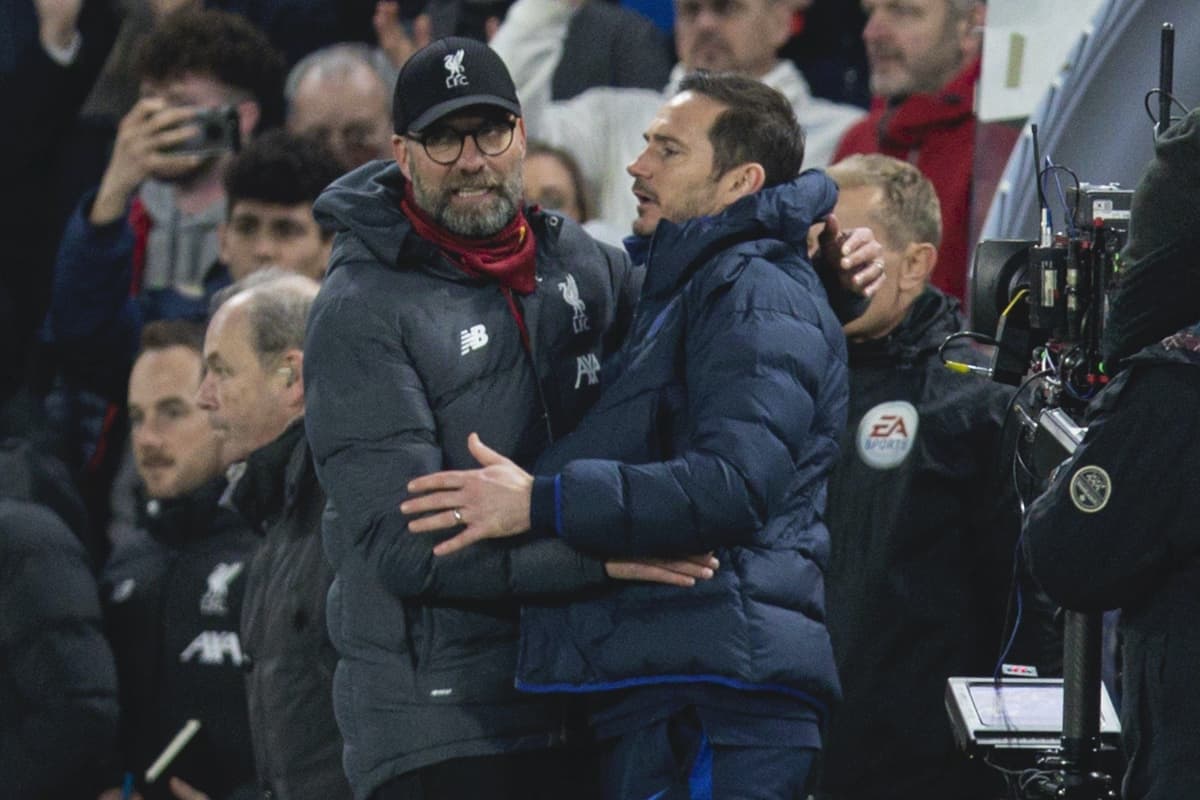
(715, 431)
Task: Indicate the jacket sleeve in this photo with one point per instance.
(1104, 532)
(371, 431)
(64, 717)
(754, 375)
(92, 317)
(531, 41)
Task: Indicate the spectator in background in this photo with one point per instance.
(58, 687)
(826, 44)
(554, 181)
(50, 55)
(922, 516)
(610, 45)
(602, 127)
(299, 27)
(150, 230)
(271, 187)
(924, 59)
(337, 95)
(173, 599)
(151, 226)
(253, 391)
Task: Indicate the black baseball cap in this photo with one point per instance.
(446, 76)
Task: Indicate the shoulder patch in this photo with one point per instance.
(886, 434)
(1090, 489)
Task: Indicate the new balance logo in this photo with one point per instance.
(473, 338)
(587, 367)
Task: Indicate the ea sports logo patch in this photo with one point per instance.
(1090, 489)
(886, 434)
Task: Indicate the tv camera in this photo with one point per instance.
(1047, 301)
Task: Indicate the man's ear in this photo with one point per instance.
(740, 181)
(400, 153)
(915, 268)
(249, 113)
(291, 374)
(971, 32)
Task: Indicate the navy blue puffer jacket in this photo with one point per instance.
(716, 430)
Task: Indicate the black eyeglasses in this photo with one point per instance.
(444, 144)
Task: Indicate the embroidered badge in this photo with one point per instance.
(570, 293)
(215, 600)
(1090, 489)
(886, 434)
(454, 65)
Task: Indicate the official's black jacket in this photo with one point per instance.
(1117, 528)
(172, 602)
(923, 526)
(290, 660)
(406, 355)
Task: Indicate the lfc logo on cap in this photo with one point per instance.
(454, 66)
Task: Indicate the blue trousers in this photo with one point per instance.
(675, 759)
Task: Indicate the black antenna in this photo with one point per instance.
(1166, 69)
(1045, 236)
(1037, 168)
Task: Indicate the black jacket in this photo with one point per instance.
(58, 685)
(290, 660)
(406, 355)
(172, 605)
(1117, 529)
(923, 524)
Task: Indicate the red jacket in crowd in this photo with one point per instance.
(936, 132)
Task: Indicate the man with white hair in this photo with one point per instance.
(253, 391)
(337, 95)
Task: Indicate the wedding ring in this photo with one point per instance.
(458, 516)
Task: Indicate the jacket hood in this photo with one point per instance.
(366, 203)
(1159, 288)
(784, 213)
(933, 316)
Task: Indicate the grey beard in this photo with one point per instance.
(478, 224)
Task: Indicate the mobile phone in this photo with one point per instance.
(217, 132)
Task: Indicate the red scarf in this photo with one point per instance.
(508, 257)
